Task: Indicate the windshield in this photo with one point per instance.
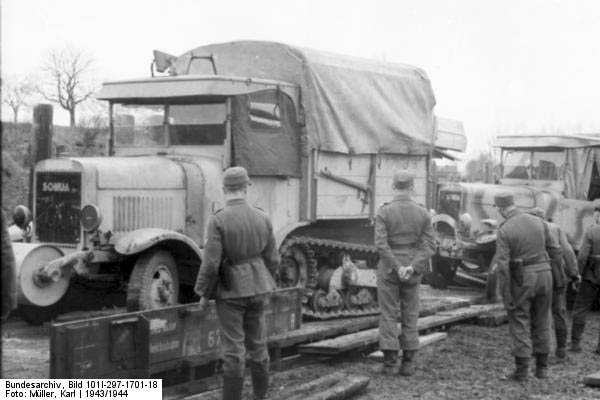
(548, 165)
(139, 125)
(536, 165)
(152, 125)
(516, 164)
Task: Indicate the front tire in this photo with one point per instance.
(154, 281)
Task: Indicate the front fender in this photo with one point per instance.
(139, 240)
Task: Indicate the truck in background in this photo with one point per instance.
(558, 173)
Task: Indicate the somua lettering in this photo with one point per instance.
(56, 187)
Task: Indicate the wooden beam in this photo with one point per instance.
(423, 341)
(592, 379)
(364, 339)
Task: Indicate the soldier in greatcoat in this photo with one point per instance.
(404, 239)
(241, 259)
(589, 265)
(524, 249)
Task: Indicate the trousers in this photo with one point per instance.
(243, 328)
(587, 294)
(395, 296)
(532, 309)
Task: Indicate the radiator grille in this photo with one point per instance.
(135, 212)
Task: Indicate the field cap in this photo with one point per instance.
(504, 199)
(596, 204)
(403, 179)
(235, 176)
(538, 212)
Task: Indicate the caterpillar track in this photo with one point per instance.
(322, 267)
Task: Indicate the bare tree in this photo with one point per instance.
(65, 79)
(16, 93)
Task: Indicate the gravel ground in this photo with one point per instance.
(470, 364)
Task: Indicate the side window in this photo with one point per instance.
(197, 124)
(265, 115)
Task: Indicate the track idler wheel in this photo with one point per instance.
(327, 302)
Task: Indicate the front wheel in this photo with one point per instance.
(154, 282)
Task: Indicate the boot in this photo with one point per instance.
(408, 367)
(232, 387)
(541, 365)
(390, 362)
(521, 369)
(259, 372)
(561, 344)
(576, 332)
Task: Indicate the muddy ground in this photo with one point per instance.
(469, 364)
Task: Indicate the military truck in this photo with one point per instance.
(319, 133)
(558, 173)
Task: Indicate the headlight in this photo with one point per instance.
(91, 218)
(21, 216)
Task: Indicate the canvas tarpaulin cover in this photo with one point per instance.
(262, 145)
(350, 105)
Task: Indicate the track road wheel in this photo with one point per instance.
(293, 268)
(154, 282)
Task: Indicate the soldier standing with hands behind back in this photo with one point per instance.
(241, 259)
(404, 239)
(522, 248)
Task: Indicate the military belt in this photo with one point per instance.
(246, 260)
(403, 246)
(535, 260)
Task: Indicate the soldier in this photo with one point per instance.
(522, 249)
(565, 268)
(9, 294)
(241, 259)
(404, 239)
(589, 265)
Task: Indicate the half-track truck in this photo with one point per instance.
(320, 135)
(558, 173)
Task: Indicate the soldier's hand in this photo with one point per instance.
(404, 273)
(203, 303)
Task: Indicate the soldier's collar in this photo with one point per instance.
(512, 213)
(231, 202)
(401, 196)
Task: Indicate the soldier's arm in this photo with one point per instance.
(569, 256)
(209, 270)
(552, 244)
(502, 258)
(426, 247)
(381, 241)
(584, 250)
(270, 254)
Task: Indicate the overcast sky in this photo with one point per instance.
(498, 66)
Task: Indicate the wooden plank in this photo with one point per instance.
(494, 318)
(346, 388)
(366, 338)
(592, 379)
(320, 330)
(423, 341)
